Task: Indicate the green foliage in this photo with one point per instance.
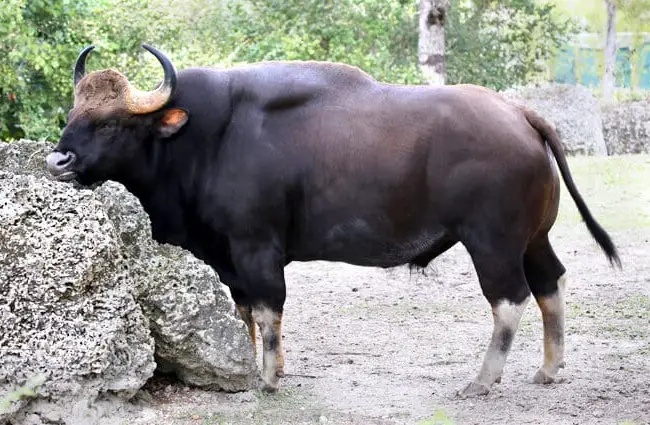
(380, 37)
(499, 44)
(11, 21)
(631, 15)
(40, 41)
(493, 43)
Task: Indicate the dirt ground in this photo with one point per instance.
(372, 346)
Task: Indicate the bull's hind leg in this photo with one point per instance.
(545, 275)
(260, 267)
(501, 275)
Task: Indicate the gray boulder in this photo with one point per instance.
(199, 336)
(25, 157)
(67, 310)
(626, 127)
(97, 304)
(573, 110)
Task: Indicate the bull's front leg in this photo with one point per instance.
(260, 266)
(246, 314)
(270, 323)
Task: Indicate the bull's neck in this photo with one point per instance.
(164, 182)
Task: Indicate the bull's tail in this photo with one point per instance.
(553, 141)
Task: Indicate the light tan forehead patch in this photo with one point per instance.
(100, 93)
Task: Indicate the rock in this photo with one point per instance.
(25, 157)
(86, 291)
(626, 127)
(573, 110)
(66, 305)
(198, 335)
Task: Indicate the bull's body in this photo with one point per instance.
(284, 162)
(334, 166)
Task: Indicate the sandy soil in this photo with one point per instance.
(371, 346)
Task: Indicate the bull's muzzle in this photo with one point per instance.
(59, 163)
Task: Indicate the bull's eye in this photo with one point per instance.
(106, 127)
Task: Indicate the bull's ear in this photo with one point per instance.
(171, 121)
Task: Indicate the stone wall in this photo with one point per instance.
(626, 127)
(573, 110)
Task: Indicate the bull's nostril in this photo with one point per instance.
(57, 162)
(65, 160)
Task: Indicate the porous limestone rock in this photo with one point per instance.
(66, 306)
(90, 300)
(25, 157)
(198, 334)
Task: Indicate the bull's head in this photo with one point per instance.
(112, 121)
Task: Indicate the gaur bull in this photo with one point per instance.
(254, 167)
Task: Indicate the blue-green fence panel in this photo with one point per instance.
(644, 66)
(581, 65)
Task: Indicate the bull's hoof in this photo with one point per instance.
(271, 380)
(474, 389)
(543, 377)
(270, 387)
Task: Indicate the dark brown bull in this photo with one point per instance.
(254, 167)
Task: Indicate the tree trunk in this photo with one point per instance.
(609, 79)
(431, 44)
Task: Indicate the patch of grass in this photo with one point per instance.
(531, 322)
(27, 390)
(626, 318)
(634, 305)
(398, 308)
(214, 420)
(200, 417)
(581, 310)
(644, 350)
(440, 417)
(286, 396)
(614, 188)
(288, 405)
(272, 407)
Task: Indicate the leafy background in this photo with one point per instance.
(493, 43)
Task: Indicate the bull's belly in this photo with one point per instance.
(360, 244)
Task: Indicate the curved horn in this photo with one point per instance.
(80, 65)
(143, 102)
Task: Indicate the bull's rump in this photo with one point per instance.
(389, 173)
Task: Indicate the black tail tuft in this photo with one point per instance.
(602, 238)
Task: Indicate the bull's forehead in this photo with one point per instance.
(100, 93)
